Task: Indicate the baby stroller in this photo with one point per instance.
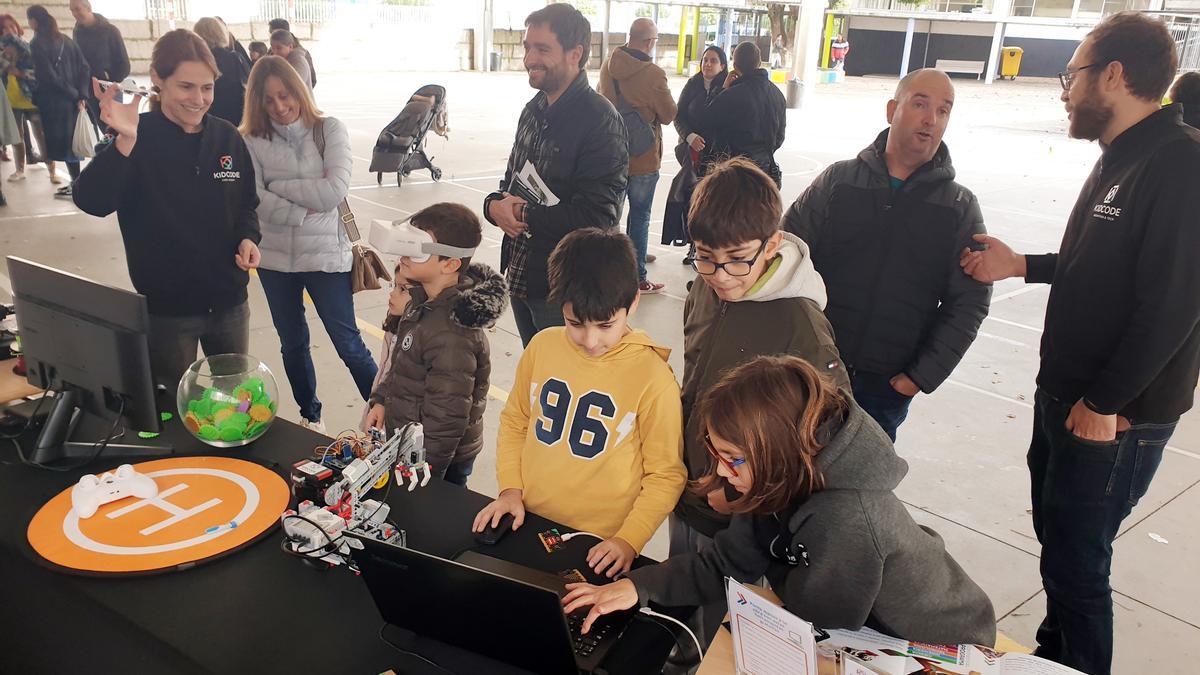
(401, 144)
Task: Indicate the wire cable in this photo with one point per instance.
(97, 448)
(651, 613)
(406, 652)
(571, 535)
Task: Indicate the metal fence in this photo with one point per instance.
(297, 11)
(1185, 28)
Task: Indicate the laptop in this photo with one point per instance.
(501, 610)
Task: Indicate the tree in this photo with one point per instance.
(783, 20)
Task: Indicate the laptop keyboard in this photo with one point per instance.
(584, 645)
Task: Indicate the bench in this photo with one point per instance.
(966, 67)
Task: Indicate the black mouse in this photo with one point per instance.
(491, 535)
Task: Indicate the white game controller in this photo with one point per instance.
(92, 492)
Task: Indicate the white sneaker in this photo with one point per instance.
(317, 426)
(17, 175)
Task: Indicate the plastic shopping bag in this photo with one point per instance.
(83, 144)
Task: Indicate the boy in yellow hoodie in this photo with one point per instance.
(592, 435)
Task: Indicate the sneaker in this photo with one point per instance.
(650, 257)
(18, 175)
(317, 426)
(56, 179)
(63, 192)
(690, 256)
(647, 287)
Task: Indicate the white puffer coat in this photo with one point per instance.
(292, 180)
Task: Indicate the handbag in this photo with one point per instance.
(366, 268)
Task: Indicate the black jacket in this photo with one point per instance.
(747, 119)
(104, 49)
(1191, 115)
(229, 93)
(1123, 319)
(182, 218)
(578, 147)
(898, 300)
(848, 556)
(693, 100)
(62, 82)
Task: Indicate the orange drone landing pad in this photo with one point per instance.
(193, 518)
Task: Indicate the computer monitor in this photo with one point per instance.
(86, 342)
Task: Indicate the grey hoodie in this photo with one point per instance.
(860, 558)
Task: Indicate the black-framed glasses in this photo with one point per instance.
(1067, 77)
(734, 268)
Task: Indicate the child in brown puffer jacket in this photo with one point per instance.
(439, 361)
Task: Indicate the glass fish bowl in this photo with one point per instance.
(227, 400)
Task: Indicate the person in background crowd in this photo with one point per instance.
(62, 91)
(102, 46)
(182, 184)
(630, 75)
(10, 134)
(575, 140)
(839, 48)
(1186, 92)
(699, 91)
(229, 93)
(283, 45)
(16, 61)
(257, 51)
(748, 118)
(1121, 346)
(305, 248)
(282, 24)
(885, 229)
(235, 45)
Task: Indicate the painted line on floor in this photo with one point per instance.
(42, 215)
(1006, 322)
(1029, 406)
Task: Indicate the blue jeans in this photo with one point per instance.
(333, 298)
(1082, 490)
(637, 224)
(532, 315)
(459, 472)
(875, 395)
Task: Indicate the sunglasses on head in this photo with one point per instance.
(730, 464)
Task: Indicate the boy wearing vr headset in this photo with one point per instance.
(440, 364)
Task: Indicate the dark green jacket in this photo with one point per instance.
(783, 317)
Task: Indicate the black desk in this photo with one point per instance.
(257, 610)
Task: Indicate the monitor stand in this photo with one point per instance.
(65, 414)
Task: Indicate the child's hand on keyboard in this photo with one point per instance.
(603, 599)
(613, 554)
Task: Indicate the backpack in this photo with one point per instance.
(638, 132)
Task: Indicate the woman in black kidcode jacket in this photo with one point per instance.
(182, 184)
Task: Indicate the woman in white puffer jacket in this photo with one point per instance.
(304, 246)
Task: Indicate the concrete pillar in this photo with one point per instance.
(1000, 8)
(806, 49)
(729, 31)
(483, 38)
(908, 36)
(604, 35)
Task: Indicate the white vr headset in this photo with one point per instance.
(400, 238)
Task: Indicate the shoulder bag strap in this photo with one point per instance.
(344, 212)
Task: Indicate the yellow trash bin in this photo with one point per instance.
(1010, 62)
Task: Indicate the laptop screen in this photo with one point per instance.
(485, 613)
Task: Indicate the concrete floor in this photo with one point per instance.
(965, 444)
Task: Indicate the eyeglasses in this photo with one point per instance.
(1067, 77)
(734, 268)
(730, 464)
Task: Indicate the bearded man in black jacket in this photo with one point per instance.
(1121, 348)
